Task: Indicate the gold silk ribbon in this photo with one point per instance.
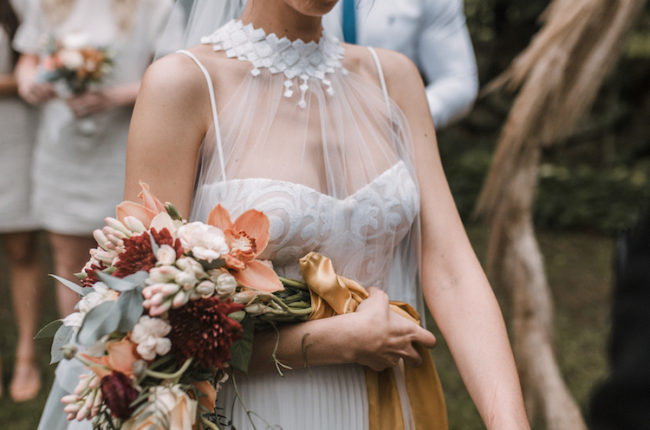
(331, 295)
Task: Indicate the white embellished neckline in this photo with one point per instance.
(297, 60)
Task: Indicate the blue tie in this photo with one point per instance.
(349, 21)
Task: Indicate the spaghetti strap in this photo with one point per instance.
(213, 105)
(382, 80)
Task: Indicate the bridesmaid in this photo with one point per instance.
(17, 225)
(79, 174)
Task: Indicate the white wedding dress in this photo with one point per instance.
(313, 140)
(360, 209)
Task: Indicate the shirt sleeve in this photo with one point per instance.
(447, 61)
(30, 33)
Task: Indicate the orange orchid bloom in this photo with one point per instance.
(121, 356)
(246, 237)
(146, 212)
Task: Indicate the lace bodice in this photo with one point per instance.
(329, 166)
(359, 231)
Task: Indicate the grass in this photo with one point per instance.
(579, 271)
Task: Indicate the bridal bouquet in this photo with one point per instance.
(73, 61)
(168, 308)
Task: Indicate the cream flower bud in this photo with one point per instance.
(101, 239)
(166, 255)
(186, 280)
(205, 288)
(162, 274)
(257, 309)
(192, 266)
(117, 225)
(180, 299)
(157, 299)
(161, 309)
(226, 284)
(134, 224)
(245, 297)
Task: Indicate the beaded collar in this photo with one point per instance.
(296, 59)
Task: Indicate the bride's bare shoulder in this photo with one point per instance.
(400, 73)
(177, 75)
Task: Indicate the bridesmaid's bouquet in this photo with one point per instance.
(74, 62)
(74, 66)
(168, 309)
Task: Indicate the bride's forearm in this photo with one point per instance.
(312, 343)
(469, 318)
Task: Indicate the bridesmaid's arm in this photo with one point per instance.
(166, 131)
(8, 85)
(29, 88)
(455, 287)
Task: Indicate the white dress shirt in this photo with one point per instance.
(434, 35)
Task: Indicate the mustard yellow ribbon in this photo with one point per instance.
(331, 295)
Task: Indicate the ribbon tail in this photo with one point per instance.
(425, 393)
(384, 407)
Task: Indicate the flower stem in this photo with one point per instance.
(293, 283)
(170, 376)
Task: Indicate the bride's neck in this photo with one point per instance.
(275, 16)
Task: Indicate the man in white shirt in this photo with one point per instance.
(432, 33)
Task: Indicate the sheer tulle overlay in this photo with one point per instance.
(325, 153)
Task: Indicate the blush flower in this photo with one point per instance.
(247, 237)
(149, 333)
(206, 242)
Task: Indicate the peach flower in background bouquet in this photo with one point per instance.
(75, 66)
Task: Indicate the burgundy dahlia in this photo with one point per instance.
(118, 394)
(138, 254)
(202, 329)
(91, 274)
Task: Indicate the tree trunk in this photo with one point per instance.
(517, 265)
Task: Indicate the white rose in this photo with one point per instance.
(205, 288)
(75, 40)
(71, 59)
(100, 295)
(149, 333)
(74, 320)
(205, 241)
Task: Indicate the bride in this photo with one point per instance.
(334, 142)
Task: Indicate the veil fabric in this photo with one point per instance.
(305, 134)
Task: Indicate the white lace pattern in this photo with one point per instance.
(296, 59)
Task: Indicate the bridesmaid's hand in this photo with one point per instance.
(90, 102)
(386, 337)
(34, 92)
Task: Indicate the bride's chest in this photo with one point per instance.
(372, 219)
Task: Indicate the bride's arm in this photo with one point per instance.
(171, 116)
(455, 287)
(166, 131)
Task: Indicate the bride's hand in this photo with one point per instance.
(385, 336)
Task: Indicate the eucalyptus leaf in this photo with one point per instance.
(62, 337)
(49, 330)
(99, 321)
(74, 287)
(123, 284)
(242, 349)
(154, 245)
(129, 305)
